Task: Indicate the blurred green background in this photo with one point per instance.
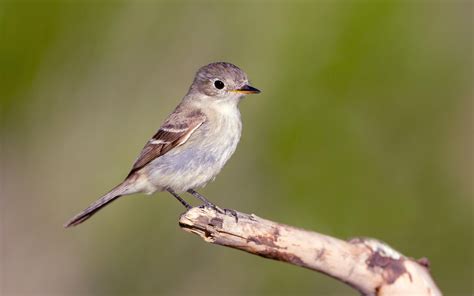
(364, 128)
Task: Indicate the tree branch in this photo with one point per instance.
(368, 265)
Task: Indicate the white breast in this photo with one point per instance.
(201, 158)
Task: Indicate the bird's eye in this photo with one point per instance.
(219, 84)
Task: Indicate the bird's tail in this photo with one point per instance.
(109, 197)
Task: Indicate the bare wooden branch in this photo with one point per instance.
(366, 264)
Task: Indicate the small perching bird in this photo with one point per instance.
(192, 145)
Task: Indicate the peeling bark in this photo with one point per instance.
(368, 265)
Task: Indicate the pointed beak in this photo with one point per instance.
(247, 89)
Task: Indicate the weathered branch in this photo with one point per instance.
(366, 264)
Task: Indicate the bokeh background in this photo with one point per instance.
(364, 128)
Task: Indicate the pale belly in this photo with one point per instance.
(196, 162)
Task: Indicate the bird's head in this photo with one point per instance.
(221, 82)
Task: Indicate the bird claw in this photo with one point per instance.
(221, 211)
(212, 206)
(232, 213)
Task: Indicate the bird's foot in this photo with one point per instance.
(232, 213)
(210, 205)
(206, 202)
(218, 209)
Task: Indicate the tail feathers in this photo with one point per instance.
(97, 205)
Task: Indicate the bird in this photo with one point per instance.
(192, 145)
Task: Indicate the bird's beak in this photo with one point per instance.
(246, 89)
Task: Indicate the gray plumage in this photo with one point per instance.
(194, 142)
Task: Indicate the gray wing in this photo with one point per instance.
(174, 132)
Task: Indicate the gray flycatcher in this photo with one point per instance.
(192, 145)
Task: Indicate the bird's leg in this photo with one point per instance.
(211, 205)
(182, 201)
(206, 202)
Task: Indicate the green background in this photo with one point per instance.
(364, 128)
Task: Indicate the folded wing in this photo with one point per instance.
(174, 132)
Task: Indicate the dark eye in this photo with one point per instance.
(219, 84)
